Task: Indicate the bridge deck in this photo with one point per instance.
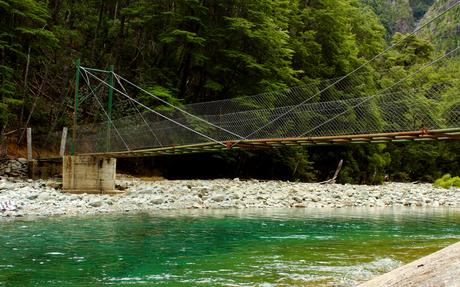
(423, 135)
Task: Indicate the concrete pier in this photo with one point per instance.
(88, 174)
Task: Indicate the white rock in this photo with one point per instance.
(96, 203)
(43, 196)
(218, 198)
(157, 200)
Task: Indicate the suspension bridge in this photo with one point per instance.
(367, 105)
(326, 112)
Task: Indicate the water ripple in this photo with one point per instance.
(221, 248)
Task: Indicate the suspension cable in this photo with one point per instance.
(356, 70)
(385, 89)
(137, 110)
(153, 111)
(179, 109)
(102, 107)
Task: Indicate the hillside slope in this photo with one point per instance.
(399, 15)
(445, 32)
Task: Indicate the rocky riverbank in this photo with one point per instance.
(44, 198)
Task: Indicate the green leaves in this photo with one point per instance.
(213, 86)
(23, 39)
(443, 32)
(187, 51)
(7, 86)
(240, 24)
(182, 35)
(163, 94)
(331, 38)
(40, 35)
(447, 181)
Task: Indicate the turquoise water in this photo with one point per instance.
(221, 248)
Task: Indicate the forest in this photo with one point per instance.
(190, 51)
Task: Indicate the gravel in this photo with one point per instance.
(44, 198)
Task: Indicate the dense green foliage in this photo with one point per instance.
(445, 33)
(396, 16)
(447, 181)
(420, 7)
(22, 37)
(188, 51)
(399, 15)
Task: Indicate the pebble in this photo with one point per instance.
(44, 198)
(157, 200)
(218, 198)
(96, 203)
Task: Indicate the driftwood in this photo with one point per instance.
(337, 171)
(441, 268)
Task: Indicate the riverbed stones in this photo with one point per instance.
(157, 200)
(315, 198)
(218, 197)
(96, 203)
(44, 198)
(32, 196)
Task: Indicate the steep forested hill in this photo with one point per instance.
(189, 51)
(405, 15)
(445, 33)
(399, 15)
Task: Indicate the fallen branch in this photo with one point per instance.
(332, 180)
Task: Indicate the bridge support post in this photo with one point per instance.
(88, 174)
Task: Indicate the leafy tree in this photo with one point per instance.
(420, 7)
(23, 36)
(189, 51)
(399, 15)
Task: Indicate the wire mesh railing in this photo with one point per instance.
(394, 111)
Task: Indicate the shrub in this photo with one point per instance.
(447, 181)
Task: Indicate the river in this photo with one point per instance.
(251, 247)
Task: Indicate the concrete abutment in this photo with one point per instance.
(88, 174)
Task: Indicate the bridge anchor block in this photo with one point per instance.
(88, 174)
